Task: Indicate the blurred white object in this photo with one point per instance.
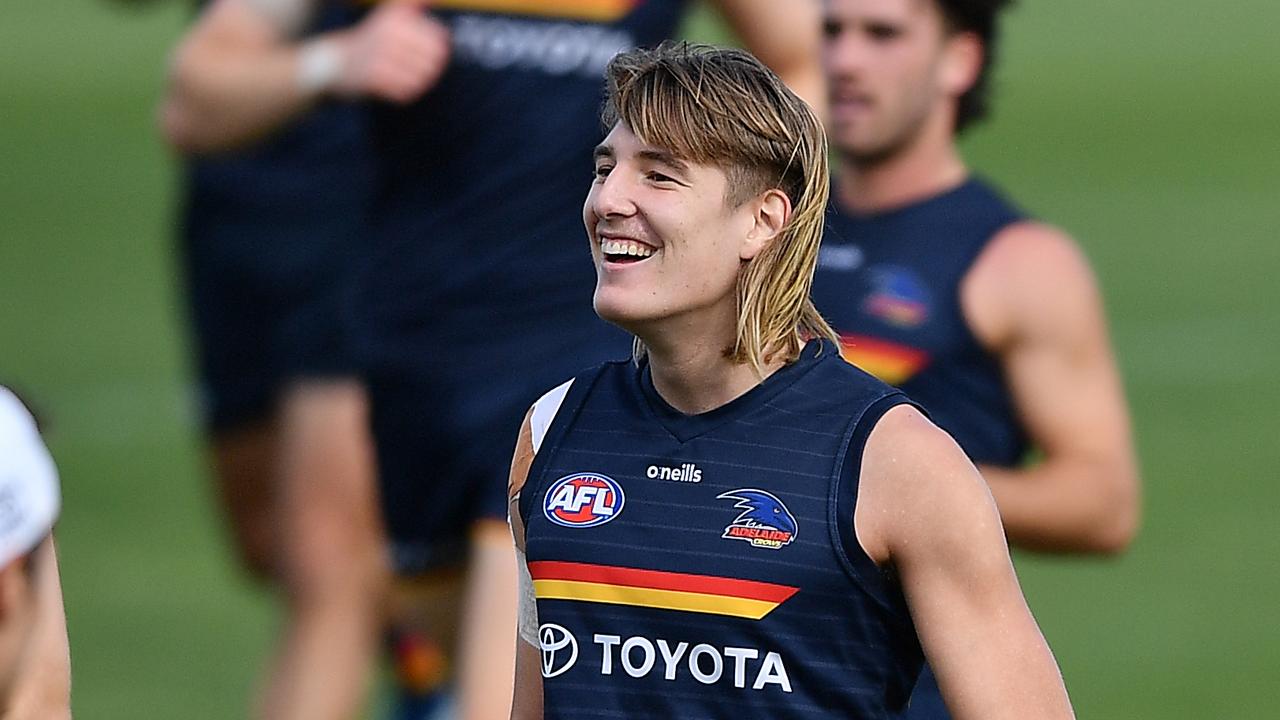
(29, 497)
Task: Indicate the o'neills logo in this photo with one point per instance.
(688, 472)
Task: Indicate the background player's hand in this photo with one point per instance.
(397, 53)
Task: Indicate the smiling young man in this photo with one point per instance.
(990, 320)
(739, 523)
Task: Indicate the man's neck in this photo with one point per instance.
(692, 370)
(924, 168)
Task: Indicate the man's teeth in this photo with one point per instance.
(625, 247)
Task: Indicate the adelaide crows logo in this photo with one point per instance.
(898, 297)
(763, 522)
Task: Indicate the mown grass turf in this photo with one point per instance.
(1145, 128)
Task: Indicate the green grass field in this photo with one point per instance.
(1146, 128)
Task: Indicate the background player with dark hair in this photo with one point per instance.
(991, 320)
(475, 268)
(830, 531)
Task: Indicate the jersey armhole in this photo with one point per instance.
(875, 581)
(549, 419)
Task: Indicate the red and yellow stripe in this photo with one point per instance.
(892, 363)
(593, 10)
(656, 589)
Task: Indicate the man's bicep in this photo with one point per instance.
(954, 565)
(940, 526)
(1055, 352)
(948, 547)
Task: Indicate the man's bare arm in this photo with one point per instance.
(1032, 299)
(924, 509)
(43, 688)
(238, 73)
(527, 700)
(786, 36)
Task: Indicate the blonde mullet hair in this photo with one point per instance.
(723, 107)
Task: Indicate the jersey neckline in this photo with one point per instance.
(685, 427)
(970, 183)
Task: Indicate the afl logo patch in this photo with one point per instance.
(583, 500)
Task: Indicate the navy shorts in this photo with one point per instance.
(269, 239)
(446, 428)
(252, 335)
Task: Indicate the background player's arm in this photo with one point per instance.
(924, 509)
(43, 688)
(527, 701)
(786, 36)
(1032, 299)
(239, 74)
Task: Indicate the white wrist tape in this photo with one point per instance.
(319, 63)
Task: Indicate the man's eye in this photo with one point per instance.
(601, 172)
(659, 177)
(883, 32)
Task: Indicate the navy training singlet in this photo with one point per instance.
(889, 283)
(479, 241)
(706, 566)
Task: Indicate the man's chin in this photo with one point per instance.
(624, 315)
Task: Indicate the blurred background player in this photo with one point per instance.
(269, 229)
(989, 319)
(475, 298)
(35, 666)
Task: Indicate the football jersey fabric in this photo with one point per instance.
(706, 565)
(479, 238)
(889, 283)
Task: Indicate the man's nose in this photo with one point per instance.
(613, 196)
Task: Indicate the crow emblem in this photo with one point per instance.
(764, 520)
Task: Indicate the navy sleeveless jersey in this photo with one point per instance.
(889, 284)
(479, 233)
(706, 565)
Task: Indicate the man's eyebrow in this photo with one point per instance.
(666, 157)
(602, 151)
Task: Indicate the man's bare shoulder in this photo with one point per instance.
(915, 480)
(1030, 275)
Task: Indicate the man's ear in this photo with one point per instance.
(771, 211)
(962, 63)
